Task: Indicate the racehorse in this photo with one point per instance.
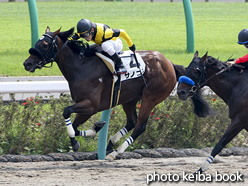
(90, 83)
(229, 83)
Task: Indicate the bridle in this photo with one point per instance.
(198, 85)
(203, 80)
(48, 56)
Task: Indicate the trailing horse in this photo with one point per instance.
(229, 84)
(90, 83)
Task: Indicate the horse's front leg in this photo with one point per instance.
(84, 111)
(231, 132)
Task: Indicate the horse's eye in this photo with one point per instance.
(196, 72)
(45, 45)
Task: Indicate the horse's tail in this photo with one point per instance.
(180, 70)
(201, 107)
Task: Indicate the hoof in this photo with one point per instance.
(76, 146)
(111, 156)
(109, 148)
(98, 125)
(109, 151)
(197, 172)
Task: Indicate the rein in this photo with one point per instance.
(199, 86)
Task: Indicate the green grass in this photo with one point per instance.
(216, 28)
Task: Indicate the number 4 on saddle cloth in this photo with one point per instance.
(133, 71)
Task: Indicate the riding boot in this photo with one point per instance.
(119, 67)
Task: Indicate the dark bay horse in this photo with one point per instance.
(229, 84)
(90, 84)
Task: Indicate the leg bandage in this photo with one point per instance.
(118, 135)
(90, 133)
(70, 129)
(124, 146)
(206, 164)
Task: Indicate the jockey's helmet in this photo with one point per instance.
(243, 37)
(84, 28)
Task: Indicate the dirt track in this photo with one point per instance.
(119, 172)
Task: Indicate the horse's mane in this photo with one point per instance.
(219, 65)
(215, 63)
(64, 35)
(75, 46)
(201, 107)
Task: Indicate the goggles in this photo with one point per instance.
(84, 35)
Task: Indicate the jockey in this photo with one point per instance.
(107, 38)
(243, 40)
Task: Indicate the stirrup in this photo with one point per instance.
(122, 71)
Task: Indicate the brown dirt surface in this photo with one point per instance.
(133, 172)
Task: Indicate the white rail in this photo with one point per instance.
(34, 87)
(24, 87)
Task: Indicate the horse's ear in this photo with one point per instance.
(56, 32)
(47, 29)
(204, 58)
(196, 54)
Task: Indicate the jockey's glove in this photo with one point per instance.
(74, 37)
(132, 48)
(229, 63)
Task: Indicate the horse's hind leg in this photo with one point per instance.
(231, 132)
(131, 114)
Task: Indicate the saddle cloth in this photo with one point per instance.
(133, 71)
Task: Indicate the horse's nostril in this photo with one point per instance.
(27, 64)
(182, 95)
(181, 92)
